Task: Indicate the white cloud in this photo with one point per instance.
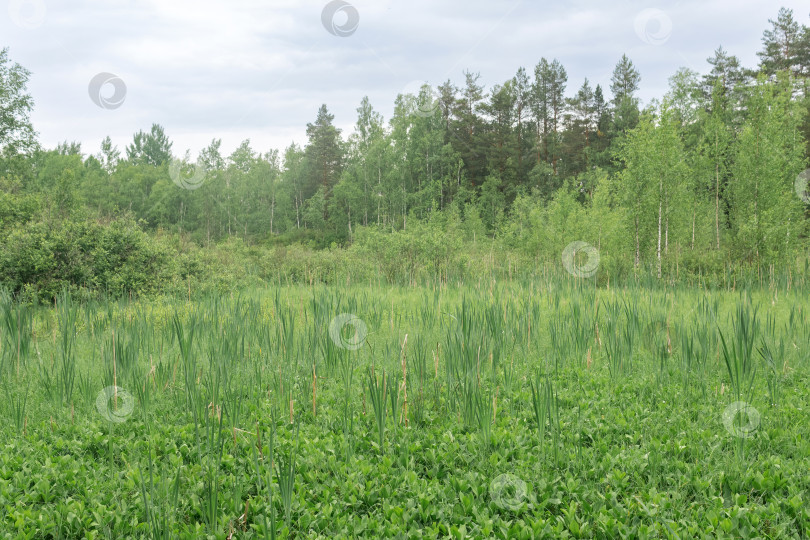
(260, 70)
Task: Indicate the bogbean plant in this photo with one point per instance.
(248, 411)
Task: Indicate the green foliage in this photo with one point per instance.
(702, 188)
(17, 135)
(285, 475)
(738, 351)
(377, 395)
(209, 451)
(461, 182)
(765, 213)
(40, 260)
(153, 148)
(209, 311)
(546, 414)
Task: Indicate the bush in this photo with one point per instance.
(118, 258)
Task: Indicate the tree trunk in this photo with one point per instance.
(659, 230)
(716, 191)
(554, 149)
(692, 248)
(666, 224)
(272, 212)
(519, 145)
(379, 192)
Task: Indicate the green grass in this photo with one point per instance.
(250, 421)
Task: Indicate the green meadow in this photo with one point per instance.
(498, 410)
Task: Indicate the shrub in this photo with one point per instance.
(117, 257)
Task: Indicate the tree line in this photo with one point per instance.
(701, 178)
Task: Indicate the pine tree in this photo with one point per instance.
(624, 84)
(468, 137)
(501, 135)
(153, 148)
(729, 74)
(548, 107)
(522, 88)
(582, 124)
(324, 156)
(782, 45)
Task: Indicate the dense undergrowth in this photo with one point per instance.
(93, 260)
(523, 409)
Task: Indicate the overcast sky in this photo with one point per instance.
(259, 69)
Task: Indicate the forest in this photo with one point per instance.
(705, 182)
